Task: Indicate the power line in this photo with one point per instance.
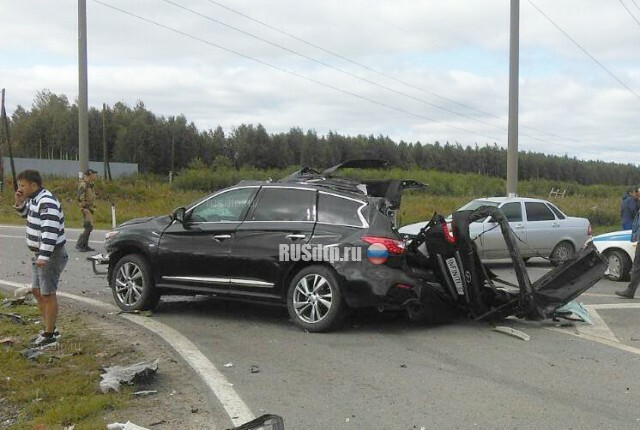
(634, 2)
(585, 51)
(632, 15)
(322, 63)
(291, 72)
(385, 75)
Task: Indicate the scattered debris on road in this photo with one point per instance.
(9, 341)
(14, 318)
(255, 369)
(145, 393)
(115, 376)
(126, 426)
(512, 332)
(264, 422)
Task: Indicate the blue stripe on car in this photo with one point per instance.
(625, 237)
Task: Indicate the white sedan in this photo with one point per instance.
(542, 229)
(619, 252)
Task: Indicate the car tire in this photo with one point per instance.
(314, 299)
(619, 265)
(561, 253)
(132, 284)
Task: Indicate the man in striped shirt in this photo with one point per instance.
(45, 237)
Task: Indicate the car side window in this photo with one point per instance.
(338, 210)
(556, 211)
(285, 204)
(538, 211)
(229, 206)
(513, 211)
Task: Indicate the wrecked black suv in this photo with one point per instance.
(257, 241)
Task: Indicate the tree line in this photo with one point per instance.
(160, 144)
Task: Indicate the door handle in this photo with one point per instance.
(519, 226)
(295, 236)
(221, 237)
(555, 224)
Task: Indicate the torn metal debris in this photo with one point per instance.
(115, 376)
(455, 279)
(512, 332)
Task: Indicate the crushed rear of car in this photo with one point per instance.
(454, 278)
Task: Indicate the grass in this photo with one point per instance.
(145, 195)
(59, 388)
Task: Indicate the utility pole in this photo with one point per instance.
(83, 117)
(512, 150)
(7, 136)
(105, 150)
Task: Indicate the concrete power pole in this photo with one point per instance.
(512, 150)
(83, 117)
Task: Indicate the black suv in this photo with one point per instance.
(231, 243)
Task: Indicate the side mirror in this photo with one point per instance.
(179, 215)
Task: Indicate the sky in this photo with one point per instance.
(412, 70)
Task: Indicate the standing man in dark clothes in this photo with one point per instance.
(630, 292)
(629, 207)
(45, 237)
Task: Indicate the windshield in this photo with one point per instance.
(475, 204)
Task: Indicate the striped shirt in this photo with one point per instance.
(45, 223)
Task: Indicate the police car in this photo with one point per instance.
(619, 251)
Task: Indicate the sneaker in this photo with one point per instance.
(626, 294)
(85, 249)
(43, 340)
(56, 334)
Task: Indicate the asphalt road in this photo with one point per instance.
(380, 372)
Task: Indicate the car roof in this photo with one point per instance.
(509, 199)
(327, 186)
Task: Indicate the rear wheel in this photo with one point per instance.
(314, 299)
(132, 284)
(561, 253)
(619, 265)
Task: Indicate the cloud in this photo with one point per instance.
(440, 68)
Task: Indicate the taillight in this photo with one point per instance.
(589, 231)
(393, 246)
(448, 235)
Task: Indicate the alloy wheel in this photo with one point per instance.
(312, 298)
(129, 283)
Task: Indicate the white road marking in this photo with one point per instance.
(233, 405)
(599, 295)
(598, 329)
(632, 305)
(607, 342)
(600, 332)
(22, 237)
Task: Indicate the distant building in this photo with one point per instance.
(66, 168)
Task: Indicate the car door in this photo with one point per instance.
(281, 216)
(196, 253)
(542, 227)
(491, 243)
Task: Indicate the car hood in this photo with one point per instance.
(618, 236)
(152, 221)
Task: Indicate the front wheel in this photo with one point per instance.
(314, 299)
(561, 253)
(619, 265)
(132, 284)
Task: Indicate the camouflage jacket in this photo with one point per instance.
(86, 195)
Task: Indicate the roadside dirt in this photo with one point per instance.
(182, 402)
